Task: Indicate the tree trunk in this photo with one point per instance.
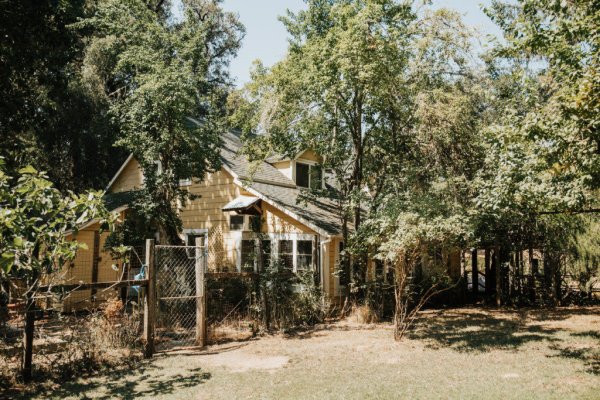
(488, 276)
(533, 274)
(475, 275)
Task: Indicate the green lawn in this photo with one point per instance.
(453, 354)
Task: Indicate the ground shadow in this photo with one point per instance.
(589, 356)
(310, 332)
(480, 330)
(114, 384)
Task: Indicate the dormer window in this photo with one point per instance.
(309, 175)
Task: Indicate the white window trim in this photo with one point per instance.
(311, 164)
(196, 231)
(274, 238)
(159, 169)
(244, 224)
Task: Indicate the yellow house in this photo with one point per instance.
(236, 210)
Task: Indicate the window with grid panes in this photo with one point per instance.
(304, 258)
(286, 253)
(248, 255)
(266, 253)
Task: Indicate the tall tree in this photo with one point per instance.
(350, 86)
(48, 118)
(166, 82)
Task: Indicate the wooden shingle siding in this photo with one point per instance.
(213, 193)
(81, 270)
(131, 178)
(309, 155)
(278, 222)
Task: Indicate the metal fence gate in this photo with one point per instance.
(180, 308)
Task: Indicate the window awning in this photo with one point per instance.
(244, 205)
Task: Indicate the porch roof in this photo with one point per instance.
(241, 204)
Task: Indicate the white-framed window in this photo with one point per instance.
(248, 255)
(236, 222)
(294, 250)
(190, 235)
(285, 253)
(266, 252)
(304, 255)
(309, 175)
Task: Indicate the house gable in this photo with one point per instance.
(129, 177)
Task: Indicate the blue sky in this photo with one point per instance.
(266, 38)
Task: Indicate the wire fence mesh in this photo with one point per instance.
(232, 307)
(230, 299)
(177, 295)
(76, 328)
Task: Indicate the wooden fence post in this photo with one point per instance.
(27, 367)
(150, 303)
(95, 262)
(200, 295)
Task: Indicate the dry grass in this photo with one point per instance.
(67, 347)
(452, 354)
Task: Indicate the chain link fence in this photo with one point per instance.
(232, 307)
(230, 299)
(101, 329)
(177, 295)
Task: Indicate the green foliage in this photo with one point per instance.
(48, 117)
(166, 83)
(293, 299)
(387, 95)
(559, 130)
(35, 219)
(585, 266)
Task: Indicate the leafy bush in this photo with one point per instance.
(292, 299)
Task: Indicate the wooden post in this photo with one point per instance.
(28, 340)
(475, 275)
(200, 296)
(150, 303)
(520, 273)
(125, 277)
(547, 268)
(95, 262)
(498, 276)
(512, 277)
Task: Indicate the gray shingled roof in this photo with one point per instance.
(258, 171)
(319, 212)
(278, 190)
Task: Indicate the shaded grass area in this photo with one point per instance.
(469, 353)
(148, 383)
(479, 330)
